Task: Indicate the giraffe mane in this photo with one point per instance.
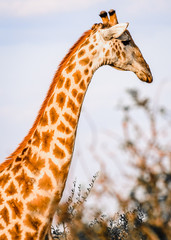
(62, 65)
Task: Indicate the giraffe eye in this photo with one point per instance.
(126, 42)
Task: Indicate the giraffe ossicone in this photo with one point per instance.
(33, 177)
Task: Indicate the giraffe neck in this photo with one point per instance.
(54, 136)
(55, 133)
(50, 148)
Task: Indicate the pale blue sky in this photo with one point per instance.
(34, 37)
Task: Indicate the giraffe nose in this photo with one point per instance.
(149, 78)
(145, 76)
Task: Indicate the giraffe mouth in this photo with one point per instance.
(145, 77)
(118, 68)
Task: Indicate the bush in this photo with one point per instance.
(145, 214)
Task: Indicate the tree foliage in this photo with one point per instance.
(145, 214)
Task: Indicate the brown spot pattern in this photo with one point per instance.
(54, 168)
(72, 106)
(44, 119)
(45, 183)
(26, 183)
(88, 79)
(62, 140)
(61, 99)
(81, 53)
(24, 150)
(3, 237)
(16, 208)
(30, 236)
(32, 222)
(94, 52)
(63, 128)
(1, 199)
(68, 84)
(72, 121)
(4, 179)
(5, 215)
(80, 97)
(16, 168)
(59, 175)
(70, 67)
(118, 54)
(9, 166)
(1, 227)
(91, 47)
(123, 54)
(107, 53)
(82, 85)
(11, 190)
(86, 71)
(38, 204)
(18, 159)
(36, 138)
(68, 143)
(15, 232)
(60, 81)
(74, 92)
(58, 152)
(46, 140)
(84, 61)
(34, 163)
(53, 115)
(77, 76)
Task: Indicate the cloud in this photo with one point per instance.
(22, 8)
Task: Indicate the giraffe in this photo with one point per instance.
(32, 178)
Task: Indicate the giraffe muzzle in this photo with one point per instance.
(149, 79)
(145, 77)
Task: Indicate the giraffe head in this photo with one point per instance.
(118, 47)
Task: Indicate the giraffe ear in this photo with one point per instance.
(114, 31)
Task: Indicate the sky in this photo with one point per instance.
(34, 37)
